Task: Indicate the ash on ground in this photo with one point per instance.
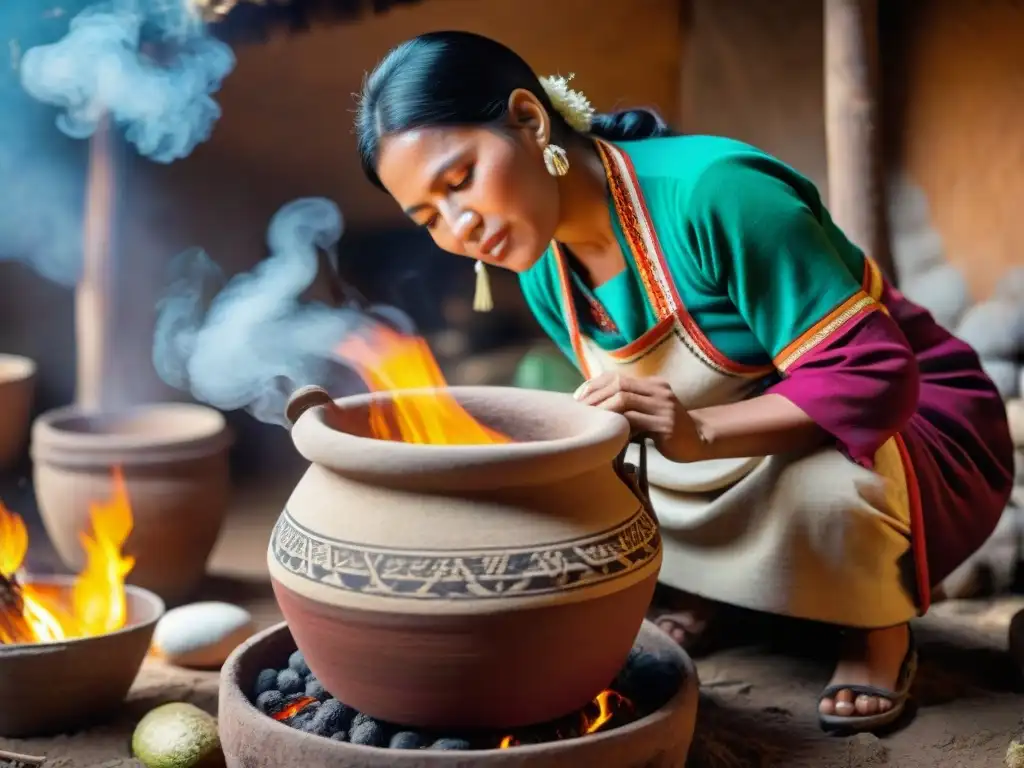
(296, 698)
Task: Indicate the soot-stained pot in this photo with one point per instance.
(465, 586)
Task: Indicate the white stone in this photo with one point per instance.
(917, 247)
(995, 329)
(943, 291)
(1015, 415)
(1005, 375)
(917, 253)
(992, 568)
(201, 635)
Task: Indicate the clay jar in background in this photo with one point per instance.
(465, 586)
(174, 460)
(17, 387)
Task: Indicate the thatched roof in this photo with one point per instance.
(248, 19)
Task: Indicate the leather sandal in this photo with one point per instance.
(898, 698)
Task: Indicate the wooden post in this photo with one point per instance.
(95, 322)
(856, 177)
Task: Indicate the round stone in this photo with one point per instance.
(1015, 413)
(201, 635)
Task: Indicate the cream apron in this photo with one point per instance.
(813, 536)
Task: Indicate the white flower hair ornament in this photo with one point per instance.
(572, 105)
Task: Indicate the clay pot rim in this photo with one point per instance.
(198, 431)
(231, 689)
(601, 437)
(16, 368)
(152, 608)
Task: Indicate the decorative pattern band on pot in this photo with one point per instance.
(477, 574)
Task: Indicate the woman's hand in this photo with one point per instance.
(652, 410)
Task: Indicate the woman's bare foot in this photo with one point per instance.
(683, 617)
(867, 657)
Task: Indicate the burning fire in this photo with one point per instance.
(593, 718)
(291, 710)
(387, 360)
(31, 613)
(601, 711)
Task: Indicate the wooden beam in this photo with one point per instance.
(95, 321)
(856, 176)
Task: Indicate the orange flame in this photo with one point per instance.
(607, 704)
(35, 613)
(386, 360)
(287, 713)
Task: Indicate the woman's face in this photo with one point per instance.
(481, 193)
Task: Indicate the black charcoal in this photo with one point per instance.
(635, 655)
(650, 681)
(369, 733)
(359, 718)
(266, 681)
(319, 726)
(450, 744)
(270, 702)
(406, 740)
(646, 679)
(297, 663)
(332, 717)
(289, 682)
(316, 691)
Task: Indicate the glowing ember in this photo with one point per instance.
(601, 711)
(31, 613)
(387, 360)
(290, 711)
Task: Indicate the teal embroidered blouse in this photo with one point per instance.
(754, 254)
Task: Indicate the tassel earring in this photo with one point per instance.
(556, 160)
(482, 300)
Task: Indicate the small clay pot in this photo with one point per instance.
(251, 739)
(52, 688)
(465, 586)
(174, 460)
(17, 387)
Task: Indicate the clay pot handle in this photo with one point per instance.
(303, 399)
(636, 476)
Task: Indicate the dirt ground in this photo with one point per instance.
(759, 697)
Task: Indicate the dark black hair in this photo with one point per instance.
(460, 78)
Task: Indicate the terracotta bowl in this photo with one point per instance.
(253, 740)
(53, 688)
(174, 459)
(17, 385)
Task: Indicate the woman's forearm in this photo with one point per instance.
(761, 426)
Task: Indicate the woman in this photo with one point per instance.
(706, 294)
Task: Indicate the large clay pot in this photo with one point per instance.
(174, 460)
(17, 386)
(465, 586)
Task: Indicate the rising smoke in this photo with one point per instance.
(161, 97)
(147, 64)
(255, 341)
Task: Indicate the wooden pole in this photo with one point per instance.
(95, 322)
(856, 177)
